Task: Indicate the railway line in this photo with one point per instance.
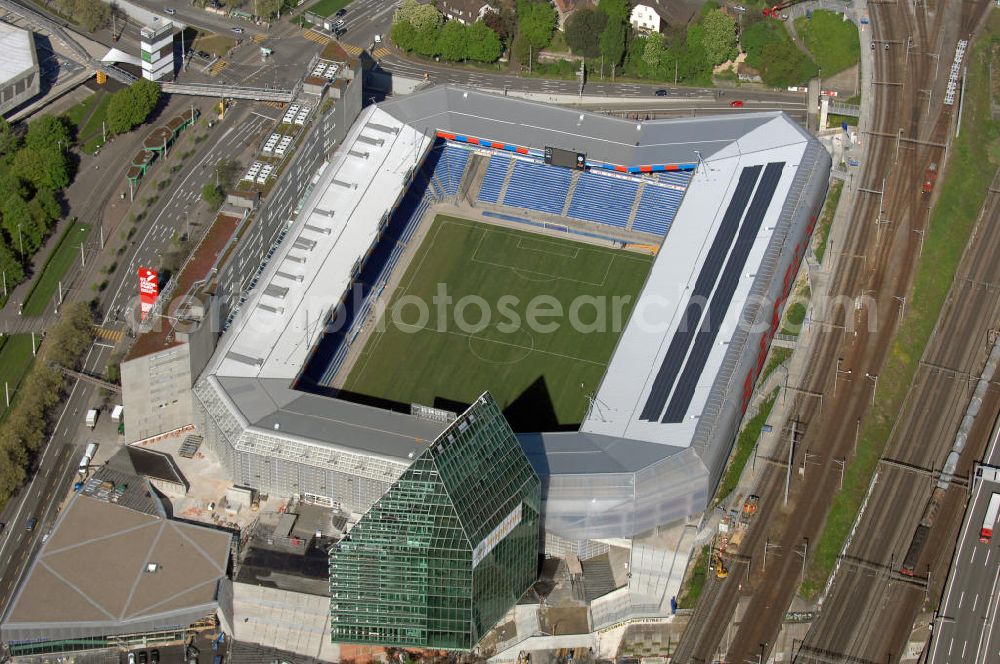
(875, 269)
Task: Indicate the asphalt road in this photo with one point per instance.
(179, 205)
(964, 628)
(876, 263)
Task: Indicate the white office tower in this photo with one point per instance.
(157, 46)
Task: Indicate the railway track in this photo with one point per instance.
(881, 229)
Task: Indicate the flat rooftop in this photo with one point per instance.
(18, 48)
(114, 569)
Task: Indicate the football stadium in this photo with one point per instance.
(609, 287)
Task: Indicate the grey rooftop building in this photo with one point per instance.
(19, 74)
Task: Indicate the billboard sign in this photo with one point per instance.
(565, 158)
(149, 288)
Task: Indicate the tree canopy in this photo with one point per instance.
(719, 37)
(453, 41)
(422, 17)
(615, 33)
(536, 21)
(583, 31)
(771, 51)
(131, 106)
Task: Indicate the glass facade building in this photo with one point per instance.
(449, 549)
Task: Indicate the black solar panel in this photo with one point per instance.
(723, 295)
(703, 286)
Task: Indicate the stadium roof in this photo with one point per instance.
(116, 570)
(18, 50)
(306, 278)
(271, 404)
(670, 354)
(605, 138)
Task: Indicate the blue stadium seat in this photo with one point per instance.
(535, 186)
(451, 167)
(679, 178)
(496, 171)
(657, 209)
(603, 199)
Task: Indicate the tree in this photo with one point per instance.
(43, 167)
(451, 43)
(404, 35)
(130, 107)
(583, 31)
(502, 22)
(9, 141)
(10, 267)
(212, 195)
(654, 50)
(482, 43)
(771, 51)
(719, 38)
(420, 16)
(536, 21)
(615, 10)
(48, 131)
(613, 42)
(269, 8)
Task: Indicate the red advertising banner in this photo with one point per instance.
(149, 288)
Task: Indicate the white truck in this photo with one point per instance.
(88, 456)
(91, 418)
(986, 532)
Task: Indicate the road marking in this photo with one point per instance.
(960, 598)
(156, 221)
(987, 561)
(972, 558)
(975, 601)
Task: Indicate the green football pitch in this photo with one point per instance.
(477, 310)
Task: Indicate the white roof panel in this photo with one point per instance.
(18, 48)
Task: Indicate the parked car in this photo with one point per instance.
(32, 522)
(170, 11)
(340, 23)
(337, 32)
(660, 93)
(736, 103)
(154, 656)
(378, 39)
(341, 12)
(142, 657)
(131, 658)
(238, 31)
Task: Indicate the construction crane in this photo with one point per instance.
(775, 10)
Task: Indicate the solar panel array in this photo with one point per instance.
(688, 352)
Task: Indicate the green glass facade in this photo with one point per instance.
(449, 549)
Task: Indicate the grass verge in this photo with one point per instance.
(91, 135)
(744, 446)
(695, 582)
(795, 314)
(969, 173)
(779, 355)
(59, 262)
(833, 42)
(15, 360)
(822, 233)
(328, 7)
(213, 43)
(834, 120)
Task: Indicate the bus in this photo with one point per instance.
(986, 532)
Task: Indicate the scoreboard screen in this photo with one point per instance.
(565, 158)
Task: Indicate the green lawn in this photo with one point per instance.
(78, 113)
(326, 8)
(695, 581)
(970, 169)
(539, 368)
(15, 360)
(822, 233)
(91, 135)
(833, 42)
(743, 447)
(47, 284)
